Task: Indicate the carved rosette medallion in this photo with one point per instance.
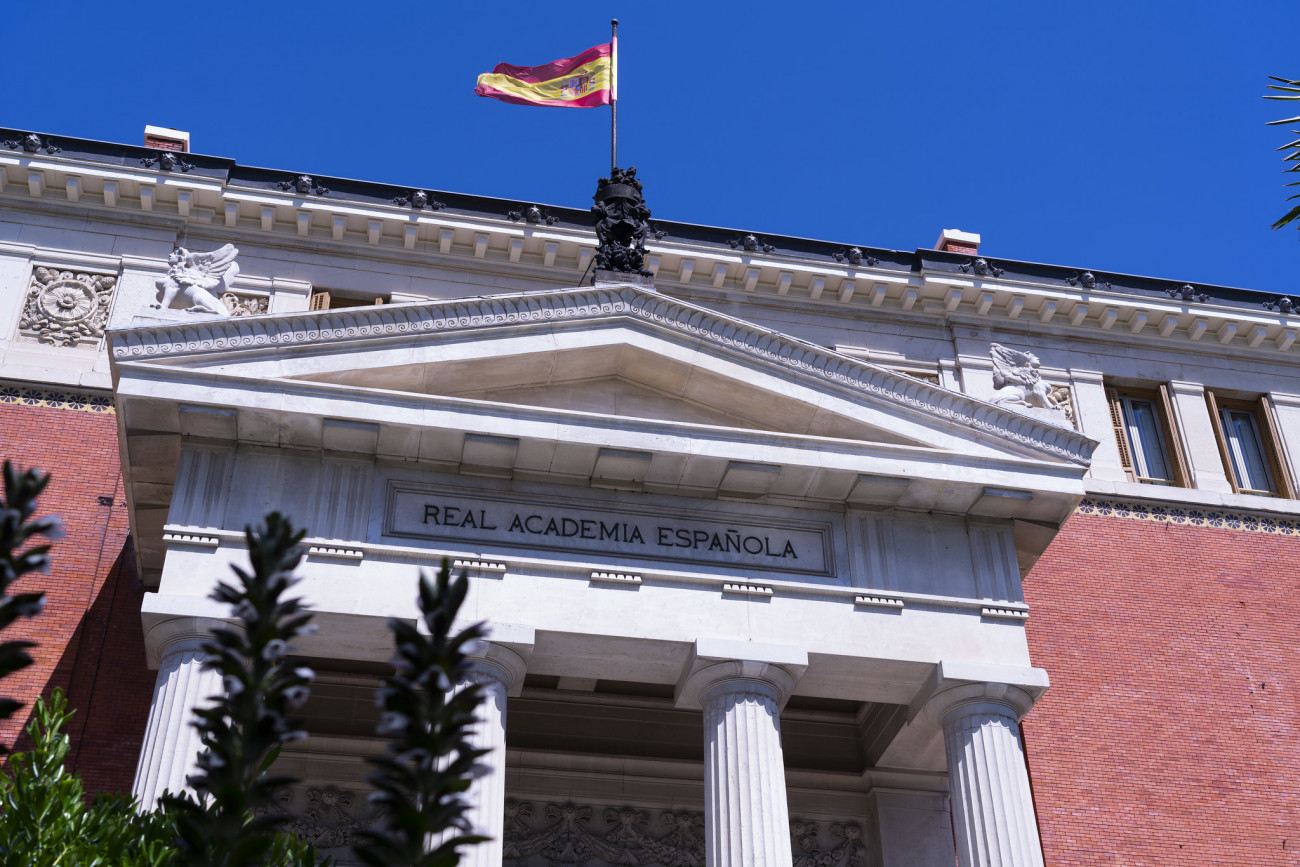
(66, 308)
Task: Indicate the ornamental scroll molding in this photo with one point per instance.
(601, 303)
(66, 308)
(581, 834)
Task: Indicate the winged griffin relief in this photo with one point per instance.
(198, 280)
(1017, 373)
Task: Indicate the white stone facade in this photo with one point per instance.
(750, 543)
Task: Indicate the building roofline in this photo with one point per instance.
(816, 251)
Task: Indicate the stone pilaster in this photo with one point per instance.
(992, 807)
(171, 743)
(500, 671)
(747, 818)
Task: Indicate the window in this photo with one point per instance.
(332, 299)
(1250, 446)
(1149, 448)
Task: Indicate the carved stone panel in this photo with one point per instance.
(240, 304)
(328, 817)
(548, 835)
(66, 308)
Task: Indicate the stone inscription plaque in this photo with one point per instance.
(576, 527)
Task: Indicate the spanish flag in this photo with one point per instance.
(583, 81)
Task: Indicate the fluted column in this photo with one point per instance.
(171, 743)
(747, 820)
(500, 671)
(993, 809)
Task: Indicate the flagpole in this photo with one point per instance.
(613, 97)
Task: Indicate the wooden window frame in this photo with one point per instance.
(1174, 453)
(1266, 428)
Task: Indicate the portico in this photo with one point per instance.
(676, 522)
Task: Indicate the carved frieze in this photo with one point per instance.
(582, 834)
(1060, 397)
(66, 308)
(827, 844)
(326, 816)
(569, 833)
(239, 304)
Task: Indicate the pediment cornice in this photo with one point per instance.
(575, 306)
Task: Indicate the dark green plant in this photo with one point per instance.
(18, 557)
(420, 784)
(44, 820)
(233, 822)
(1288, 90)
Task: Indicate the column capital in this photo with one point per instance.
(174, 634)
(720, 666)
(502, 663)
(956, 688)
(503, 654)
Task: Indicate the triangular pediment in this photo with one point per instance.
(608, 370)
(608, 352)
(612, 386)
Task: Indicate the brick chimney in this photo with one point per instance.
(957, 241)
(166, 139)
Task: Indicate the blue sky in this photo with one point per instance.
(1118, 136)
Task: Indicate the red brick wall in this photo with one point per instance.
(89, 635)
(1171, 733)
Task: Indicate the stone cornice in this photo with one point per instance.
(578, 305)
(367, 220)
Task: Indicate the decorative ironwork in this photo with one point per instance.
(980, 268)
(166, 161)
(419, 200)
(304, 184)
(750, 244)
(531, 214)
(1086, 280)
(32, 143)
(1187, 292)
(622, 223)
(1282, 304)
(855, 256)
